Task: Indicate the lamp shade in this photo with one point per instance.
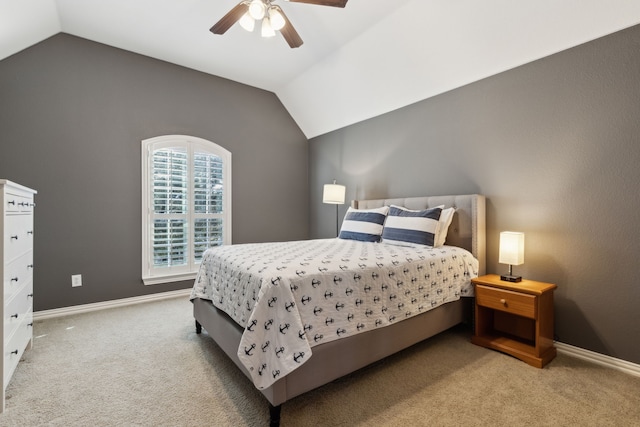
(276, 18)
(247, 22)
(333, 194)
(267, 30)
(511, 248)
(257, 9)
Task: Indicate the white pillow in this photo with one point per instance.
(446, 216)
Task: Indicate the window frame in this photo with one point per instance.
(155, 275)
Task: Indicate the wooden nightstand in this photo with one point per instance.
(515, 318)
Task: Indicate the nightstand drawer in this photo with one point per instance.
(507, 301)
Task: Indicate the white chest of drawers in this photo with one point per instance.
(16, 265)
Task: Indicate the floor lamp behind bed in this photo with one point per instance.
(333, 194)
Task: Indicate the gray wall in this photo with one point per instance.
(73, 114)
(555, 147)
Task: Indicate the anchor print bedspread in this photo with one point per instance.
(292, 296)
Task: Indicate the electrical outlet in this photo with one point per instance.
(76, 280)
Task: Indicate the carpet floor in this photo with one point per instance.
(144, 365)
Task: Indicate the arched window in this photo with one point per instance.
(186, 205)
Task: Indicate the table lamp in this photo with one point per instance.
(511, 252)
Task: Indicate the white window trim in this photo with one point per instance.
(174, 274)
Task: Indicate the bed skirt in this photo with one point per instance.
(335, 359)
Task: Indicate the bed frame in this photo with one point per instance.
(335, 359)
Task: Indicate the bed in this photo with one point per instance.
(322, 346)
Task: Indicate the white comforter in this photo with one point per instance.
(292, 296)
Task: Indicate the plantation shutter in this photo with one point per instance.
(208, 195)
(170, 198)
(186, 205)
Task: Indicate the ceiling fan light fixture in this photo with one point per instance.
(271, 16)
(247, 22)
(257, 9)
(267, 29)
(276, 18)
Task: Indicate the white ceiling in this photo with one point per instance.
(372, 57)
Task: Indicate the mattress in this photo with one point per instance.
(291, 296)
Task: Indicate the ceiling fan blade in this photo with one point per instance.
(230, 18)
(288, 32)
(334, 3)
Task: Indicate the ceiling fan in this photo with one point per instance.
(273, 19)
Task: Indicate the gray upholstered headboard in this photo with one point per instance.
(468, 228)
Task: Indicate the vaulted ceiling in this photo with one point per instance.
(371, 57)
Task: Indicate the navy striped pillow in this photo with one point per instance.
(411, 227)
(364, 225)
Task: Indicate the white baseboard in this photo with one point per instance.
(600, 359)
(77, 309)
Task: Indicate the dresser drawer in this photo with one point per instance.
(17, 203)
(17, 308)
(507, 301)
(18, 236)
(14, 347)
(16, 273)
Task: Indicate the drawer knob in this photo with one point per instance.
(14, 237)
(30, 266)
(14, 279)
(30, 232)
(14, 352)
(29, 295)
(11, 202)
(14, 316)
(503, 302)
